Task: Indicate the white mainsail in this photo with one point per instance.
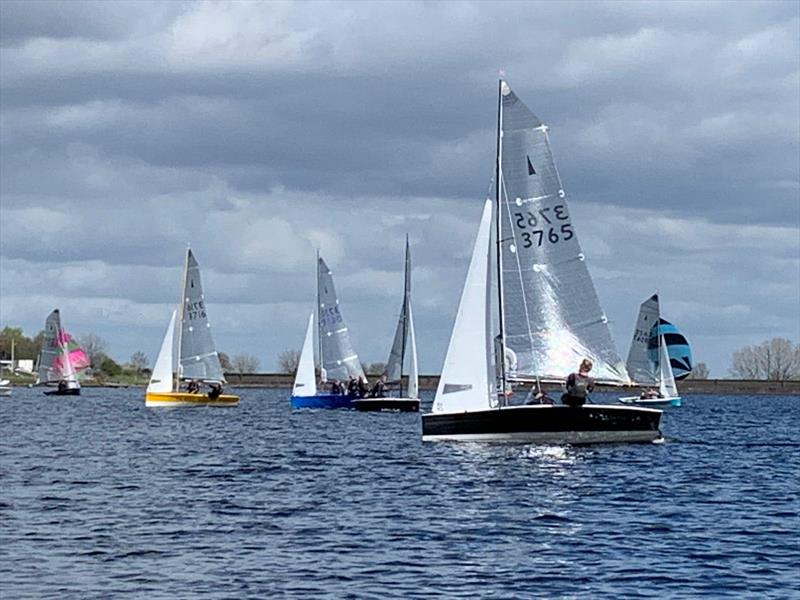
(305, 383)
(465, 383)
(197, 354)
(338, 359)
(552, 317)
(641, 366)
(667, 385)
(161, 379)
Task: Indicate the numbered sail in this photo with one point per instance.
(161, 378)
(305, 381)
(198, 355)
(394, 365)
(552, 316)
(337, 357)
(50, 348)
(465, 384)
(643, 357)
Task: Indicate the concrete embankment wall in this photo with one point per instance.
(687, 386)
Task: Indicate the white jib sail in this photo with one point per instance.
(667, 385)
(464, 384)
(413, 370)
(161, 379)
(305, 383)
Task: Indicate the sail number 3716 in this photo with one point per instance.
(532, 233)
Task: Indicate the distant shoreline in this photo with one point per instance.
(429, 382)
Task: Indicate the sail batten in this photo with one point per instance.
(552, 314)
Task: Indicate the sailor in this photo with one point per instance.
(363, 390)
(377, 389)
(62, 386)
(336, 387)
(352, 387)
(579, 385)
(193, 387)
(538, 396)
(215, 391)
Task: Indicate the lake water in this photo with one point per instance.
(101, 497)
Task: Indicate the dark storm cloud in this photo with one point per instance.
(261, 131)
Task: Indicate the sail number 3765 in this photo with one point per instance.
(532, 233)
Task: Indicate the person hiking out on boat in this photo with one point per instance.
(352, 387)
(650, 394)
(215, 391)
(193, 387)
(579, 385)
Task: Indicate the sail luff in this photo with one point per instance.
(667, 385)
(179, 337)
(413, 368)
(642, 363)
(49, 348)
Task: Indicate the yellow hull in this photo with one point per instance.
(187, 399)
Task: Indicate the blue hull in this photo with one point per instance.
(323, 401)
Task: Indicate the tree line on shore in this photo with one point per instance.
(777, 359)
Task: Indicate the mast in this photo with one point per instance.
(319, 323)
(406, 292)
(498, 241)
(182, 305)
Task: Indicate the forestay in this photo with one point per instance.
(465, 384)
(337, 357)
(644, 346)
(198, 355)
(552, 316)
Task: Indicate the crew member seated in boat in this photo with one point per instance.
(650, 395)
(336, 387)
(215, 391)
(62, 386)
(579, 385)
(538, 396)
(193, 387)
(352, 387)
(363, 390)
(377, 389)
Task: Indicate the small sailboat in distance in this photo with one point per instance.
(548, 313)
(648, 359)
(337, 358)
(404, 344)
(189, 337)
(61, 359)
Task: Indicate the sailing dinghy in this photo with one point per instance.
(548, 314)
(404, 344)
(648, 360)
(189, 337)
(337, 359)
(61, 359)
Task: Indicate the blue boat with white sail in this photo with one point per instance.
(338, 362)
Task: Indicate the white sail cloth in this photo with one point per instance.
(338, 359)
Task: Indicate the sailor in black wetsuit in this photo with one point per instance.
(579, 385)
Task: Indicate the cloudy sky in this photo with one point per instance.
(258, 132)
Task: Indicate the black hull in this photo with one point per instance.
(67, 392)
(378, 404)
(588, 424)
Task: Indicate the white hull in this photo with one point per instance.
(657, 402)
